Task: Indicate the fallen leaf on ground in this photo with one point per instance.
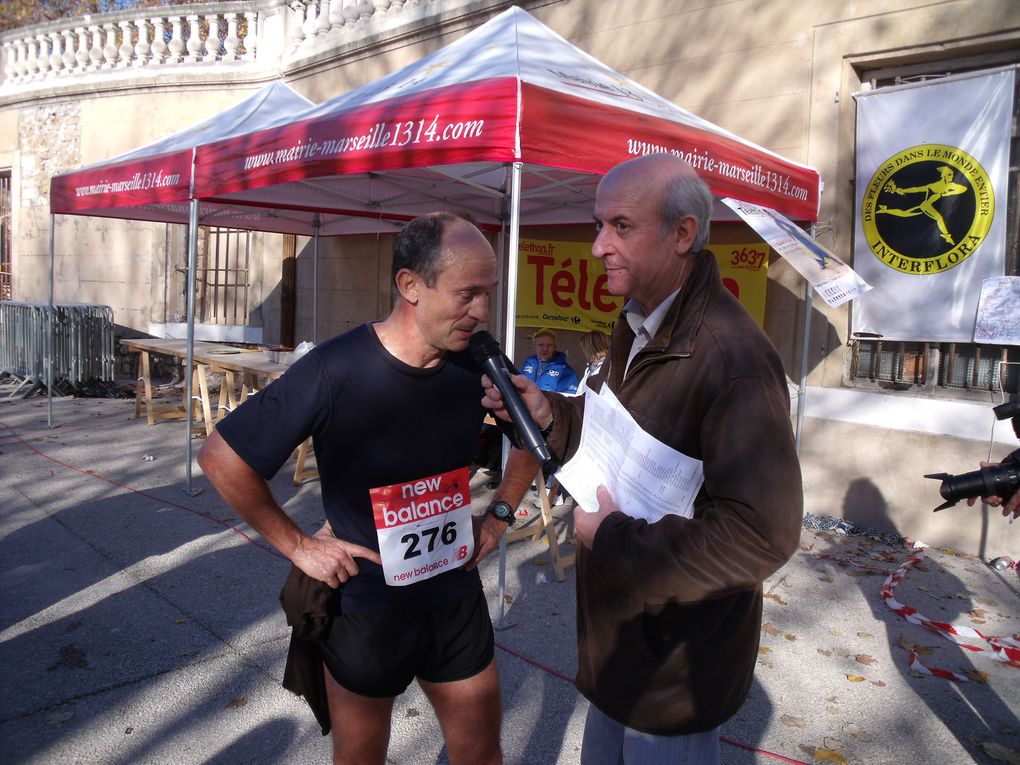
(828, 755)
(773, 596)
(237, 703)
(764, 649)
(790, 636)
(855, 678)
(824, 652)
(976, 675)
(864, 635)
(863, 658)
(878, 683)
(793, 722)
(978, 613)
(826, 578)
(768, 629)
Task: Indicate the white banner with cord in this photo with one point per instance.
(931, 187)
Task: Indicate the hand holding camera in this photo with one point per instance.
(997, 483)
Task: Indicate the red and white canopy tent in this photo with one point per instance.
(155, 183)
(445, 130)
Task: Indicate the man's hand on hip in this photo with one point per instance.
(330, 560)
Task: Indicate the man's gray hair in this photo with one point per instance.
(686, 194)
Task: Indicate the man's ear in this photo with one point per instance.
(408, 283)
(685, 232)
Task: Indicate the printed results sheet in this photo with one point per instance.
(646, 478)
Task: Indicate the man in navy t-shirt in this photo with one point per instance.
(394, 410)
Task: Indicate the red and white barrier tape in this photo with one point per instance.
(1002, 649)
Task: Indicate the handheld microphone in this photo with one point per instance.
(486, 353)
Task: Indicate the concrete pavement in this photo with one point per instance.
(141, 625)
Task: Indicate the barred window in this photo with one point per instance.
(906, 366)
(222, 276)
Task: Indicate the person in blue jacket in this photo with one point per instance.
(547, 367)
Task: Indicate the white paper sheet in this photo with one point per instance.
(646, 478)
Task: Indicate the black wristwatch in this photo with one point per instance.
(502, 511)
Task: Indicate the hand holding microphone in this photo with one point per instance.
(487, 354)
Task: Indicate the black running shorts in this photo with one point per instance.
(378, 654)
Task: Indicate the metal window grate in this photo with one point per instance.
(223, 262)
(942, 365)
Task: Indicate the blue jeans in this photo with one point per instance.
(607, 742)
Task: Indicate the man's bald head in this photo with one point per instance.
(671, 183)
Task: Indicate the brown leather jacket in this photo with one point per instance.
(669, 614)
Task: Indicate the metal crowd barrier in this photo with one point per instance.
(82, 344)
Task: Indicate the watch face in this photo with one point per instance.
(502, 510)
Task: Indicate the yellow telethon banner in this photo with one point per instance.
(561, 286)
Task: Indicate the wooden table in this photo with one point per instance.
(248, 367)
(174, 348)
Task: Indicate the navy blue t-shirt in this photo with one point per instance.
(374, 421)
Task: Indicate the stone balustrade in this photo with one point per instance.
(206, 35)
(147, 37)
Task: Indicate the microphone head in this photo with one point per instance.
(483, 346)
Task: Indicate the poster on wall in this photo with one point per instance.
(932, 169)
(831, 278)
(998, 313)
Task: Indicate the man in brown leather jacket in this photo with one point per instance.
(669, 613)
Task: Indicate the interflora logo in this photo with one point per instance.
(927, 209)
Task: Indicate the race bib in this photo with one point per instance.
(424, 526)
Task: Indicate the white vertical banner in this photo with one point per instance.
(932, 165)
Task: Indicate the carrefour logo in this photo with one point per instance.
(927, 209)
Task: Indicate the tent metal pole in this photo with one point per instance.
(512, 257)
(190, 355)
(809, 294)
(315, 281)
(49, 333)
(513, 245)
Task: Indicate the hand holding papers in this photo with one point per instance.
(646, 478)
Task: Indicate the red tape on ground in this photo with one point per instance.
(1002, 649)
